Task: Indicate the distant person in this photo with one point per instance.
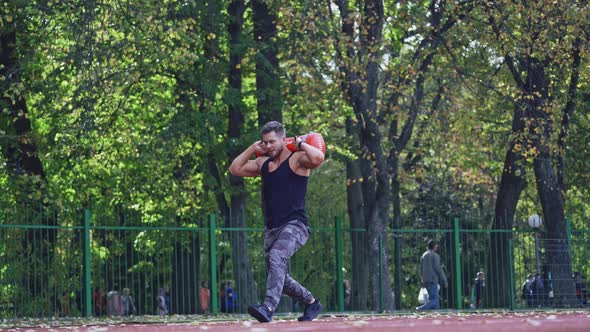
(161, 307)
(114, 303)
(581, 291)
(78, 300)
(527, 290)
(538, 290)
(167, 299)
(548, 282)
(222, 297)
(204, 297)
(100, 303)
(64, 301)
(231, 298)
(477, 290)
(128, 304)
(347, 294)
(431, 274)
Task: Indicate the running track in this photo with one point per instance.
(478, 322)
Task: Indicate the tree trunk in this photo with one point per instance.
(512, 184)
(21, 155)
(557, 258)
(360, 277)
(397, 239)
(25, 167)
(240, 251)
(531, 72)
(378, 213)
(559, 264)
(379, 264)
(513, 178)
(268, 92)
(362, 87)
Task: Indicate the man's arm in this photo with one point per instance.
(243, 166)
(312, 156)
(421, 268)
(439, 270)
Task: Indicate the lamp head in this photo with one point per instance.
(535, 221)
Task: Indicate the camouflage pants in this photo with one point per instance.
(279, 245)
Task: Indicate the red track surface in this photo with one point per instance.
(488, 322)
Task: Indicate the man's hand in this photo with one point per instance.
(314, 139)
(259, 148)
(243, 166)
(313, 147)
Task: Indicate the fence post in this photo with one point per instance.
(458, 283)
(511, 277)
(213, 263)
(87, 287)
(381, 309)
(339, 259)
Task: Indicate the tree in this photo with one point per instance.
(237, 112)
(378, 96)
(540, 56)
(20, 147)
(268, 95)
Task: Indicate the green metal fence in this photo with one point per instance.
(74, 269)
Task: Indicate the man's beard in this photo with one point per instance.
(276, 154)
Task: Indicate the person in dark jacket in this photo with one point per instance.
(538, 291)
(580, 283)
(230, 298)
(431, 274)
(527, 290)
(477, 290)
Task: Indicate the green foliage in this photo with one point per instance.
(128, 106)
(127, 101)
(577, 174)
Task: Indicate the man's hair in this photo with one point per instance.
(431, 244)
(275, 126)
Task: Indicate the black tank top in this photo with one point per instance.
(283, 195)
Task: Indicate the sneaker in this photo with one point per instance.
(311, 311)
(260, 312)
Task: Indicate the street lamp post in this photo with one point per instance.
(535, 222)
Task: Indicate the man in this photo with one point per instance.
(538, 290)
(477, 290)
(580, 282)
(204, 297)
(431, 273)
(230, 298)
(163, 301)
(127, 302)
(284, 186)
(527, 290)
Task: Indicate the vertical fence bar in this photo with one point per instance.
(213, 264)
(458, 283)
(568, 228)
(32, 256)
(87, 287)
(339, 260)
(381, 309)
(511, 277)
